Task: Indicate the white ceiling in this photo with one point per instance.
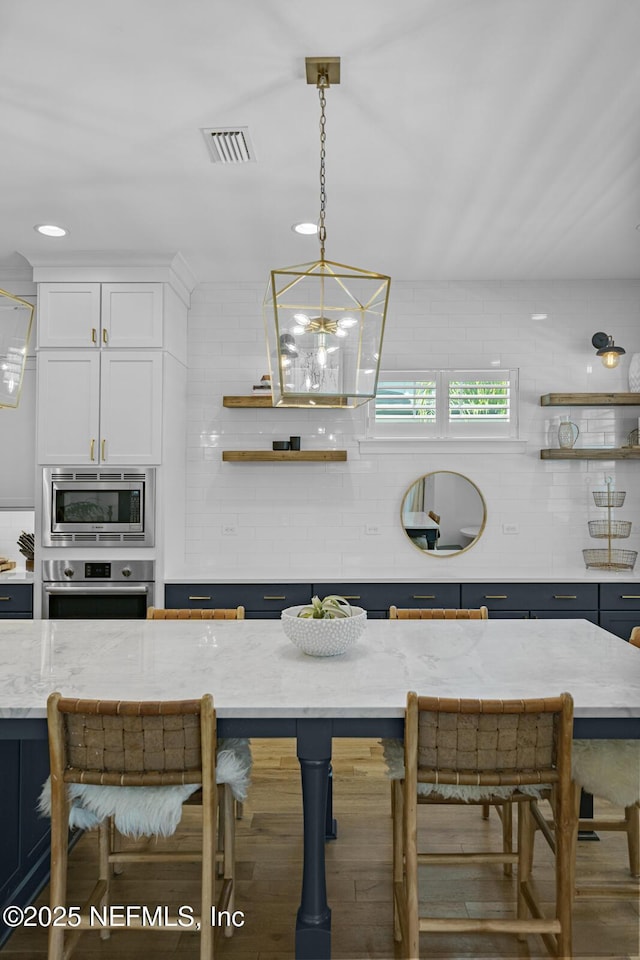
(467, 139)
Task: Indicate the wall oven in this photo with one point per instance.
(95, 507)
(97, 590)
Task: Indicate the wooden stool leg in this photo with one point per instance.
(58, 882)
(632, 819)
(105, 832)
(398, 858)
(486, 807)
(229, 852)
(526, 835)
(507, 835)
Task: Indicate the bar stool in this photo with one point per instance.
(130, 765)
(195, 613)
(436, 613)
(471, 751)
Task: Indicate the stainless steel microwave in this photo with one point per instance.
(98, 507)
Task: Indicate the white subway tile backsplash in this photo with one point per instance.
(309, 520)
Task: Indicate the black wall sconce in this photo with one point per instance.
(607, 350)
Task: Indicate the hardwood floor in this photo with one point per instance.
(269, 854)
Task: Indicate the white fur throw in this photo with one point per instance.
(394, 759)
(608, 768)
(149, 811)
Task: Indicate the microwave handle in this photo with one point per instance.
(97, 590)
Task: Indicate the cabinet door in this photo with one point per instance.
(620, 622)
(69, 315)
(68, 406)
(131, 407)
(132, 314)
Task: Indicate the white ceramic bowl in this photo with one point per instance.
(323, 638)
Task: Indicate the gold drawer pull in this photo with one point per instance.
(274, 598)
(630, 596)
(92, 450)
(105, 337)
(560, 596)
(94, 339)
(426, 596)
(103, 455)
(199, 598)
(5, 598)
(348, 596)
(496, 596)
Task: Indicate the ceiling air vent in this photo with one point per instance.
(229, 144)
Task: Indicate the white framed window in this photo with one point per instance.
(445, 404)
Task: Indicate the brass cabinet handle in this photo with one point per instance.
(5, 598)
(274, 598)
(92, 449)
(496, 596)
(94, 337)
(199, 598)
(630, 596)
(560, 596)
(105, 335)
(347, 596)
(426, 596)
(103, 455)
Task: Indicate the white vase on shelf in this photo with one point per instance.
(567, 434)
(634, 373)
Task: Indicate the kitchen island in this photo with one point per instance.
(265, 687)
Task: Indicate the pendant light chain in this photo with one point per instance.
(322, 230)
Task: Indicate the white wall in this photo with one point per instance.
(308, 520)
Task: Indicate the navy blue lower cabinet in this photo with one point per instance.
(620, 607)
(16, 601)
(619, 622)
(264, 600)
(24, 834)
(517, 600)
(376, 598)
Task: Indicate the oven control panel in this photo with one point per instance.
(105, 571)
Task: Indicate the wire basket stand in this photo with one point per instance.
(609, 558)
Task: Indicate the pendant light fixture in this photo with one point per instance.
(324, 320)
(16, 317)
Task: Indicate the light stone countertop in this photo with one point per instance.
(18, 575)
(252, 670)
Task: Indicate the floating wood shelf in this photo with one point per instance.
(594, 453)
(274, 456)
(590, 400)
(255, 400)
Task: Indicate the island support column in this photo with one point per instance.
(313, 924)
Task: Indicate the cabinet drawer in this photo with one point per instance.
(252, 596)
(539, 596)
(16, 597)
(620, 596)
(380, 596)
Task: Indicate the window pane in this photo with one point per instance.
(403, 400)
(478, 400)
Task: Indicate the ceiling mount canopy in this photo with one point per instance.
(324, 320)
(16, 317)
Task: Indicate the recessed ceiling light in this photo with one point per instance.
(306, 229)
(50, 230)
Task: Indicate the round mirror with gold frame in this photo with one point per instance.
(443, 514)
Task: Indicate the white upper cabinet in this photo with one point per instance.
(132, 315)
(99, 407)
(100, 315)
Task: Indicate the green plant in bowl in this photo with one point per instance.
(332, 607)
